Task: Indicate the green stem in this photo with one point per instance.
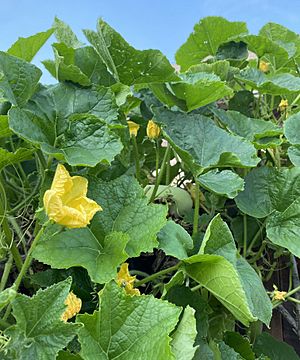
(197, 287)
(256, 236)
(28, 259)
(6, 272)
(7, 231)
(168, 169)
(136, 159)
(293, 300)
(258, 254)
(160, 175)
(196, 209)
(245, 235)
(156, 275)
(4, 324)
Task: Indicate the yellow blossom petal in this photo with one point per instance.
(133, 128)
(153, 130)
(126, 281)
(278, 295)
(73, 306)
(66, 202)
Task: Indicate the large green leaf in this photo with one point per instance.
(206, 38)
(282, 36)
(26, 48)
(255, 130)
(262, 46)
(207, 145)
(48, 121)
(39, 332)
(80, 247)
(184, 336)
(240, 344)
(174, 240)
(258, 300)
(269, 189)
(283, 228)
(294, 154)
(64, 33)
(128, 65)
(224, 183)
(18, 79)
(196, 90)
(126, 209)
(127, 326)
(80, 65)
(220, 277)
(9, 158)
(274, 84)
(218, 240)
(265, 344)
(4, 127)
(292, 129)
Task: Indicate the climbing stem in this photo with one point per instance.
(196, 209)
(157, 275)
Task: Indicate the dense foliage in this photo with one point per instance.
(189, 178)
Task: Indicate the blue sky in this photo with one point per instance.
(160, 24)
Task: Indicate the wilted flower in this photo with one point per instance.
(66, 202)
(264, 66)
(73, 307)
(153, 130)
(133, 128)
(126, 281)
(283, 105)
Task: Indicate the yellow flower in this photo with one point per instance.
(153, 130)
(133, 128)
(278, 295)
(126, 281)
(283, 105)
(73, 307)
(264, 66)
(66, 202)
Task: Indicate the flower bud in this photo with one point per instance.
(153, 130)
(133, 128)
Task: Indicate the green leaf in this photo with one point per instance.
(227, 353)
(26, 48)
(64, 355)
(224, 183)
(4, 127)
(274, 84)
(8, 158)
(259, 302)
(206, 38)
(126, 325)
(219, 276)
(126, 209)
(174, 240)
(282, 36)
(80, 247)
(220, 68)
(85, 139)
(294, 154)
(265, 344)
(18, 79)
(268, 189)
(63, 33)
(283, 228)
(208, 145)
(39, 333)
(218, 240)
(128, 65)
(199, 89)
(292, 128)
(262, 46)
(248, 128)
(184, 336)
(240, 344)
(6, 296)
